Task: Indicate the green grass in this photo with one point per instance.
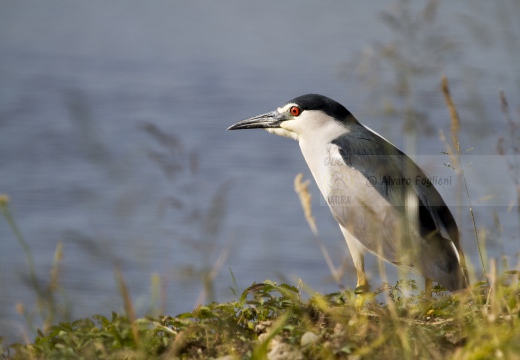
(271, 319)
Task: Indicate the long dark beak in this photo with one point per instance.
(269, 120)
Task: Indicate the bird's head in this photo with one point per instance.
(304, 115)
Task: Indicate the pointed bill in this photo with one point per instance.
(268, 120)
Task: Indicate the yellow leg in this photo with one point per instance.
(428, 286)
(362, 287)
(357, 251)
(362, 282)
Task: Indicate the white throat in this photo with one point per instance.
(284, 133)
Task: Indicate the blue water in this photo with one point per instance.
(79, 82)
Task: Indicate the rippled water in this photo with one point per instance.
(83, 86)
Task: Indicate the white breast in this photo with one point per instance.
(356, 205)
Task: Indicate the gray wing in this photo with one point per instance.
(395, 176)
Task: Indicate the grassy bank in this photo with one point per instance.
(273, 321)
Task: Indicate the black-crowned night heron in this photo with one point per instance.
(383, 201)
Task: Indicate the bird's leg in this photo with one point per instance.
(428, 285)
(358, 257)
(362, 282)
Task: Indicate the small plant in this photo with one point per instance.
(394, 73)
(509, 146)
(270, 319)
(51, 305)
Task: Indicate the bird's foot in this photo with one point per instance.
(363, 295)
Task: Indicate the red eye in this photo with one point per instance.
(295, 111)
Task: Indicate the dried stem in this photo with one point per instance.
(455, 128)
(129, 307)
(302, 190)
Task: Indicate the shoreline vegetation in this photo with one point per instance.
(282, 321)
(272, 321)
